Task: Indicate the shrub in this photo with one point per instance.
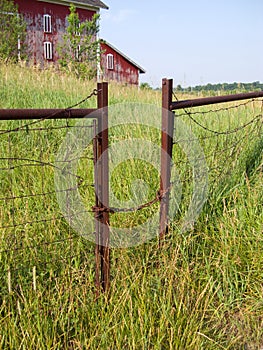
(79, 50)
(13, 32)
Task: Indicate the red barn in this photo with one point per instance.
(117, 66)
(47, 22)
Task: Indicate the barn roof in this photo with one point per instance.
(141, 70)
(94, 3)
(84, 3)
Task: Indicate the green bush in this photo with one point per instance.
(13, 32)
(79, 50)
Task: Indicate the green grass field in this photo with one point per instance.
(202, 290)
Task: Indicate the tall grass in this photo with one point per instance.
(202, 290)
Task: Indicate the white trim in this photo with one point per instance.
(7, 13)
(77, 32)
(48, 50)
(47, 23)
(77, 4)
(110, 61)
(77, 52)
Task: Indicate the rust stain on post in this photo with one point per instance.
(102, 249)
(166, 155)
(96, 223)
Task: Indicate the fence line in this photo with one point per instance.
(168, 142)
(23, 198)
(15, 163)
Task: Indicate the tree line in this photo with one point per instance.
(254, 86)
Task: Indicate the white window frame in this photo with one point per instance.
(47, 25)
(110, 61)
(77, 52)
(48, 50)
(77, 32)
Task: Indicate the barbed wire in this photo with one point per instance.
(19, 248)
(227, 132)
(14, 162)
(159, 196)
(216, 110)
(52, 115)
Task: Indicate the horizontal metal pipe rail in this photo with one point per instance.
(29, 114)
(100, 144)
(213, 100)
(167, 141)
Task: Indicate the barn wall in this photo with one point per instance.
(123, 72)
(33, 12)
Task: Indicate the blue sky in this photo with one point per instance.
(194, 42)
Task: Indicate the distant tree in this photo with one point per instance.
(228, 88)
(12, 31)
(145, 86)
(179, 88)
(79, 49)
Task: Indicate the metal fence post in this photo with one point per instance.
(102, 250)
(166, 155)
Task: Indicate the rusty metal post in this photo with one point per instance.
(166, 155)
(102, 251)
(96, 223)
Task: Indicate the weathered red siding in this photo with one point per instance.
(33, 12)
(123, 70)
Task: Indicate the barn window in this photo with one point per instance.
(47, 23)
(77, 52)
(110, 61)
(77, 30)
(48, 50)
